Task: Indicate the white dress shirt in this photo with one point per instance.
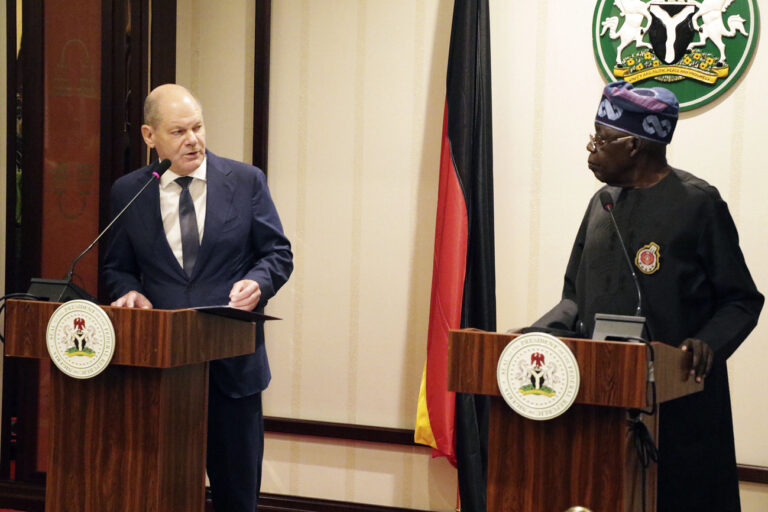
(170, 191)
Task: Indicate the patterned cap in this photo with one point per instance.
(647, 113)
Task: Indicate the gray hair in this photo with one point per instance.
(151, 111)
(152, 107)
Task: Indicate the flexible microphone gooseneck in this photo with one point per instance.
(62, 290)
(160, 168)
(644, 443)
(607, 201)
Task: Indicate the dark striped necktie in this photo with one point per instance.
(190, 236)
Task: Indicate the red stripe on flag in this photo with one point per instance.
(448, 274)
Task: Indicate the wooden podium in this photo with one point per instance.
(133, 438)
(586, 456)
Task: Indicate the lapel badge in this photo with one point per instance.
(647, 258)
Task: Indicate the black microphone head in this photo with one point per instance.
(163, 166)
(160, 168)
(606, 200)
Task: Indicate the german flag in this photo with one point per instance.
(463, 275)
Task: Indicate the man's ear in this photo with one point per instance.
(638, 145)
(148, 133)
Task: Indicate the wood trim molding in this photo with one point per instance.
(31, 498)
(22, 496)
(404, 437)
(345, 431)
(280, 503)
(25, 77)
(162, 49)
(261, 83)
(753, 474)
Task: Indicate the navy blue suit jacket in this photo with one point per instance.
(242, 239)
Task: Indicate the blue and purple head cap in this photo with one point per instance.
(646, 113)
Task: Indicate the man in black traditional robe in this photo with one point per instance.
(697, 292)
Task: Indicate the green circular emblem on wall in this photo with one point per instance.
(696, 49)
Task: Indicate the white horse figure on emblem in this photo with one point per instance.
(712, 26)
(632, 30)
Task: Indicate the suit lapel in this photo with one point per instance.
(148, 207)
(219, 192)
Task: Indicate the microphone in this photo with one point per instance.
(160, 168)
(607, 201)
(608, 325)
(62, 290)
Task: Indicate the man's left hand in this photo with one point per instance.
(702, 357)
(245, 295)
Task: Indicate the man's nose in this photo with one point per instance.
(190, 138)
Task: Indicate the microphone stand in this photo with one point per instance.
(62, 290)
(621, 327)
(647, 452)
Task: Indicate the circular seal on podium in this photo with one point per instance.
(80, 339)
(538, 376)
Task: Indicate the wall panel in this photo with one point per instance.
(357, 90)
(214, 59)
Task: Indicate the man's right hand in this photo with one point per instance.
(132, 299)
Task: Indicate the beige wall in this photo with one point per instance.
(357, 90)
(215, 42)
(356, 110)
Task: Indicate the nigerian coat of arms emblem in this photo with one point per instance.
(696, 48)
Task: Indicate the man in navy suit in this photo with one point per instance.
(212, 238)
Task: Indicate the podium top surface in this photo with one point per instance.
(153, 338)
(612, 373)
